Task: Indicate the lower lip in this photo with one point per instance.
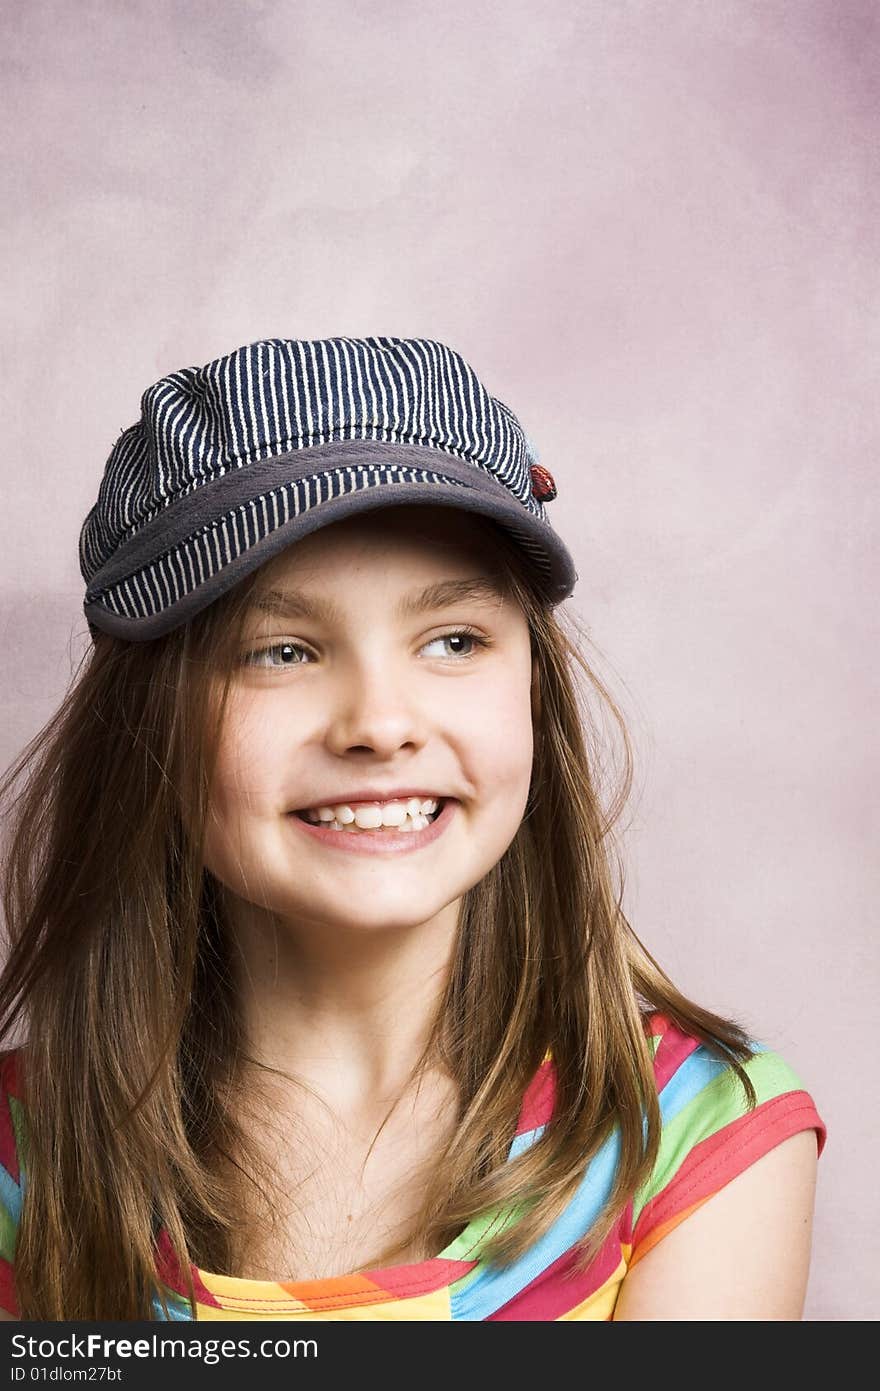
(387, 842)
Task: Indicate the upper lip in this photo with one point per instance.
(370, 794)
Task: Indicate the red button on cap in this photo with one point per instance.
(543, 485)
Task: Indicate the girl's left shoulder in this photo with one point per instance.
(702, 1096)
(740, 1174)
(711, 1134)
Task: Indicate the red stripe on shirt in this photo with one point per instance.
(720, 1157)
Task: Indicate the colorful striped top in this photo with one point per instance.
(708, 1137)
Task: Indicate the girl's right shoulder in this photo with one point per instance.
(12, 1149)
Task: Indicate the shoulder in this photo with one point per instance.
(12, 1153)
(705, 1111)
(732, 1181)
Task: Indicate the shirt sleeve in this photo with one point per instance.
(12, 1147)
(708, 1134)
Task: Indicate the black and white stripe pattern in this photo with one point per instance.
(279, 394)
(164, 525)
(194, 560)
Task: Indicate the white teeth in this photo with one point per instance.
(376, 814)
(411, 815)
(407, 824)
(370, 818)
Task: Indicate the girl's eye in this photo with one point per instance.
(469, 636)
(287, 649)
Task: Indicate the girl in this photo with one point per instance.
(332, 1010)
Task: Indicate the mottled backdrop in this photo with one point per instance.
(651, 226)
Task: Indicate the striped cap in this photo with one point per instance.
(231, 462)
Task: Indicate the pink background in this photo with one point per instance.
(651, 228)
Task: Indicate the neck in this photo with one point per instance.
(347, 1012)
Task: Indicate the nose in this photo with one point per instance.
(373, 706)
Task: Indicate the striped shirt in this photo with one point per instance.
(707, 1138)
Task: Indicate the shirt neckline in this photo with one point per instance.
(378, 1285)
(382, 1283)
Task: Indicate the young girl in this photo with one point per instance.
(331, 1008)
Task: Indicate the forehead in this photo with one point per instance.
(430, 537)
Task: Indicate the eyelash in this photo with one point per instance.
(477, 638)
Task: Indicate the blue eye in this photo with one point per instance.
(287, 647)
(465, 633)
(252, 658)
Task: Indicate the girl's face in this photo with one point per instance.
(355, 683)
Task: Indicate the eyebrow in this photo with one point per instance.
(482, 589)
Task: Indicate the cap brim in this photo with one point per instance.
(208, 541)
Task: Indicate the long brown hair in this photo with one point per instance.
(121, 967)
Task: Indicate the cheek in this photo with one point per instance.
(501, 741)
(245, 779)
(247, 771)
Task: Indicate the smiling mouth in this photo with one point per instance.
(414, 819)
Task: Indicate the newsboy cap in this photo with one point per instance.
(232, 462)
